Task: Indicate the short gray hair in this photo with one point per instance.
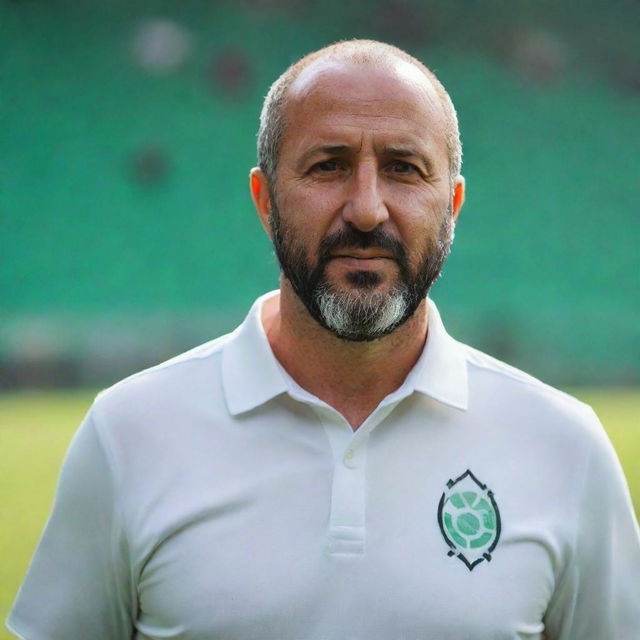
(272, 117)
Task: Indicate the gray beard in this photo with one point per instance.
(361, 314)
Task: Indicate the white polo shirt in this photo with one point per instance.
(211, 498)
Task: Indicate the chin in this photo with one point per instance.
(365, 280)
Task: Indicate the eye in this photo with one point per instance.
(403, 168)
(326, 166)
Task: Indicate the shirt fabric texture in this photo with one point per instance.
(212, 498)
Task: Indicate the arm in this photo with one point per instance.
(78, 585)
(598, 596)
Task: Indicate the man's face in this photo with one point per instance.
(361, 206)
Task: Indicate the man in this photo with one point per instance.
(339, 467)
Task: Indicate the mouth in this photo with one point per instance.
(361, 260)
(363, 254)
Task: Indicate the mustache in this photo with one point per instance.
(351, 238)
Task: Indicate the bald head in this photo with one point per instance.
(302, 75)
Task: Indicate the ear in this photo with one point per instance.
(457, 198)
(259, 186)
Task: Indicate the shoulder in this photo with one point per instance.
(176, 370)
(503, 373)
(543, 406)
(550, 434)
(165, 387)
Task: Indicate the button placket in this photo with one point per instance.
(346, 535)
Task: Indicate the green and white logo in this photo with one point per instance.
(469, 519)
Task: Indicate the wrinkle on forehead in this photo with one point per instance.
(393, 98)
(322, 73)
(393, 104)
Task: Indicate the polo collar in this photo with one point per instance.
(252, 376)
(441, 370)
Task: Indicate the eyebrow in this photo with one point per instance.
(388, 150)
(408, 152)
(328, 149)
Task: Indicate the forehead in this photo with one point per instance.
(387, 100)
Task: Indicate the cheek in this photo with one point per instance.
(420, 216)
(422, 236)
(298, 227)
(310, 212)
(413, 200)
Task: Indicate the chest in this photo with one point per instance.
(361, 545)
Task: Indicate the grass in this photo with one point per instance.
(36, 427)
(35, 430)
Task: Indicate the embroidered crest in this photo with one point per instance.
(469, 519)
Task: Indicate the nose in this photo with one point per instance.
(365, 208)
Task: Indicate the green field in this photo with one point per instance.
(35, 429)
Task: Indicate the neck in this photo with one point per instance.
(352, 377)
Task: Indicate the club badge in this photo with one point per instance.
(469, 519)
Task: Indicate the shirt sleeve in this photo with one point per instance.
(77, 585)
(599, 594)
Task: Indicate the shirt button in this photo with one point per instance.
(349, 458)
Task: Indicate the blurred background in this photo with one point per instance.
(128, 130)
(127, 235)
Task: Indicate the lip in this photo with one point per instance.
(360, 263)
(363, 254)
